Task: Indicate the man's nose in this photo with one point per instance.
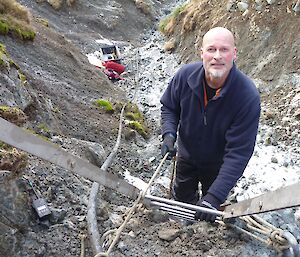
(217, 54)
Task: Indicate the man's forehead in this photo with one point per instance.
(218, 35)
(217, 44)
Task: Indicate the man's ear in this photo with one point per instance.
(201, 53)
(235, 54)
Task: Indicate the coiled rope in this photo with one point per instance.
(270, 235)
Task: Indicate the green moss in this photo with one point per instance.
(43, 127)
(106, 105)
(22, 77)
(2, 48)
(138, 127)
(10, 25)
(2, 54)
(42, 21)
(136, 119)
(28, 34)
(132, 112)
(4, 27)
(4, 108)
(133, 116)
(8, 109)
(23, 33)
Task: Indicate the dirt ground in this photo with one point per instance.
(61, 79)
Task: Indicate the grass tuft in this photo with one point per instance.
(138, 127)
(136, 119)
(15, 20)
(106, 105)
(166, 25)
(14, 9)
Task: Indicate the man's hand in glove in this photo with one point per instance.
(168, 146)
(211, 202)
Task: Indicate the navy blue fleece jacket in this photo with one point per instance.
(223, 132)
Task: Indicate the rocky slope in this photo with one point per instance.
(57, 100)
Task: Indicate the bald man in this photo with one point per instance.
(212, 109)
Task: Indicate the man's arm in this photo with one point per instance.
(169, 120)
(170, 110)
(239, 148)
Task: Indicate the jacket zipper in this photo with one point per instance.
(204, 118)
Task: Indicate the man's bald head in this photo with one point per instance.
(218, 32)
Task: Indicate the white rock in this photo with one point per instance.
(242, 6)
(297, 6)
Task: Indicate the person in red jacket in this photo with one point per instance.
(215, 108)
(112, 65)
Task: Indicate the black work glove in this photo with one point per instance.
(168, 146)
(211, 202)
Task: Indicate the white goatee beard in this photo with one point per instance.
(217, 74)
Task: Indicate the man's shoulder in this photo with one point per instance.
(187, 69)
(190, 67)
(248, 83)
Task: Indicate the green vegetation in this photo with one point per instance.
(105, 104)
(4, 28)
(132, 112)
(164, 23)
(42, 21)
(2, 54)
(136, 119)
(8, 109)
(14, 20)
(22, 77)
(43, 127)
(138, 127)
(4, 146)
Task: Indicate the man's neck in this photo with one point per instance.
(215, 83)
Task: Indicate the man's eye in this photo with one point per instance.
(224, 50)
(210, 50)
